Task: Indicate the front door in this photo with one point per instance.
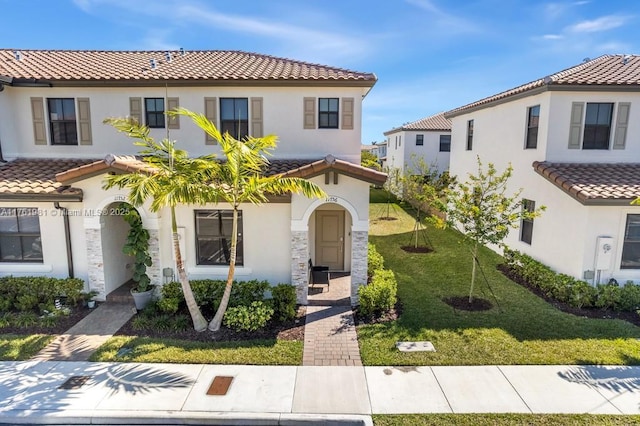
(330, 239)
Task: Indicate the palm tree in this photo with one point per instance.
(240, 179)
(171, 179)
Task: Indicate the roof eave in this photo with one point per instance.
(75, 196)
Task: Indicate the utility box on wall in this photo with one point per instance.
(604, 253)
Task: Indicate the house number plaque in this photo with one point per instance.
(331, 199)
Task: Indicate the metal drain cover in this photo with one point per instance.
(74, 382)
(220, 385)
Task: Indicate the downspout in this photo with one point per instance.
(67, 235)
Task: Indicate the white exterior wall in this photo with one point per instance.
(282, 110)
(395, 150)
(429, 151)
(564, 237)
(560, 110)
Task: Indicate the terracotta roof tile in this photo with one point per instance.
(605, 70)
(594, 183)
(207, 65)
(35, 178)
(434, 122)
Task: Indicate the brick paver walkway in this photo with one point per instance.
(330, 337)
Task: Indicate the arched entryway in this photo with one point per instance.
(118, 267)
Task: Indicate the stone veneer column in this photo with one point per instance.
(359, 241)
(154, 271)
(95, 261)
(300, 264)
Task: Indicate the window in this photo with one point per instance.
(234, 117)
(469, 135)
(154, 112)
(533, 118)
(328, 113)
(445, 143)
(631, 247)
(597, 126)
(419, 140)
(213, 237)
(526, 225)
(62, 121)
(20, 235)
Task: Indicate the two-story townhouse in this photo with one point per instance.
(55, 218)
(381, 152)
(573, 139)
(427, 139)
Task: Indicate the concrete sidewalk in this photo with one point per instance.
(177, 393)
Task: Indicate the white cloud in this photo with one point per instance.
(552, 37)
(603, 23)
(443, 19)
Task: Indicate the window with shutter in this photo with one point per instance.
(39, 125)
(173, 120)
(84, 121)
(211, 112)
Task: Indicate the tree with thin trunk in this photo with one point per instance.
(483, 211)
(240, 179)
(171, 179)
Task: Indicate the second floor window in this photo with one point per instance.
(213, 237)
(445, 143)
(234, 117)
(469, 135)
(419, 140)
(154, 112)
(328, 113)
(597, 126)
(20, 235)
(533, 118)
(62, 121)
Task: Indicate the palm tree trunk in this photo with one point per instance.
(199, 322)
(474, 255)
(216, 322)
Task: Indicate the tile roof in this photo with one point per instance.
(35, 179)
(605, 71)
(594, 183)
(114, 67)
(435, 122)
(297, 168)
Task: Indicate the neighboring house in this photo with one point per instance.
(573, 139)
(373, 149)
(55, 218)
(382, 152)
(428, 139)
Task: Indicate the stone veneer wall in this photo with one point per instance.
(154, 271)
(95, 265)
(359, 241)
(300, 264)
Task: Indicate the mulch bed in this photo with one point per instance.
(292, 330)
(598, 313)
(64, 323)
(387, 218)
(414, 249)
(462, 303)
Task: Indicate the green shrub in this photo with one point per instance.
(284, 302)
(608, 296)
(25, 319)
(380, 294)
(48, 321)
(629, 297)
(248, 318)
(582, 295)
(5, 320)
(171, 298)
(27, 294)
(141, 322)
(375, 260)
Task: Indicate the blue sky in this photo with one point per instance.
(429, 55)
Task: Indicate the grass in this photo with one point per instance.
(19, 348)
(254, 352)
(520, 329)
(503, 419)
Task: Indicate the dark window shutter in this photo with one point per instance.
(84, 121)
(575, 129)
(39, 125)
(211, 112)
(173, 120)
(256, 118)
(622, 121)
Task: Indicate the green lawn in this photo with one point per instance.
(254, 352)
(504, 420)
(524, 329)
(19, 348)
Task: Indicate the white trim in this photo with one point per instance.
(93, 216)
(24, 268)
(217, 270)
(329, 199)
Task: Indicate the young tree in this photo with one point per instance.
(483, 211)
(240, 179)
(369, 160)
(171, 179)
